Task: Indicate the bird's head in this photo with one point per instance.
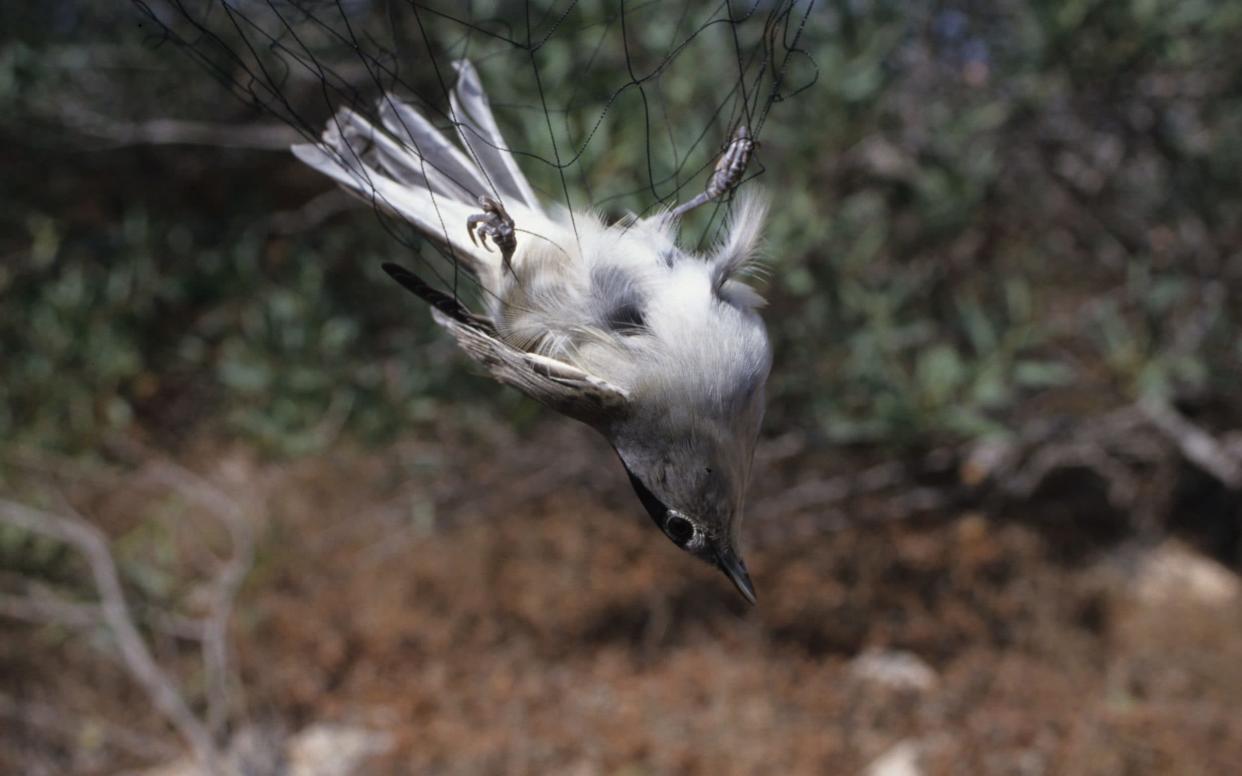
(687, 430)
(691, 473)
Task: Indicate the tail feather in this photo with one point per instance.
(440, 217)
(400, 159)
(423, 149)
(478, 131)
(408, 167)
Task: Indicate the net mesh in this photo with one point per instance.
(618, 107)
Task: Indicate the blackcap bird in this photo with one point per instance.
(660, 349)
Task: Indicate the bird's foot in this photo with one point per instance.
(493, 222)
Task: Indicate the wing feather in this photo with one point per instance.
(561, 386)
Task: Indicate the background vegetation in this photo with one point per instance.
(975, 207)
(1009, 230)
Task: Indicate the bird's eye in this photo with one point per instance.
(680, 530)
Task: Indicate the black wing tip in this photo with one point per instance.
(438, 299)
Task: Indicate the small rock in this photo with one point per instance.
(984, 459)
(894, 668)
(901, 759)
(1174, 572)
(183, 766)
(256, 750)
(322, 749)
(325, 749)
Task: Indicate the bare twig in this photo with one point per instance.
(782, 448)
(93, 545)
(224, 587)
(820, 494)
(49, 609)
(45, 717)
(1128, 448)
(1122, 483)
(311, 214)
(119, 133)
(1198, 446)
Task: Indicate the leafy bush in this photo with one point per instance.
(974, 207)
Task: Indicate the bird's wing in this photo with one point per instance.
(450, 306)
(479, 134)
(561, 386)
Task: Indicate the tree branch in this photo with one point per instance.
(163, 131)
(1198, 446)
(93, 545)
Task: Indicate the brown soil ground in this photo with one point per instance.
(516, 613)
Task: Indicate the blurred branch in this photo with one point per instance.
(313, 213)
(115, 613)
(45, 717)
(224, 587)
(1042, 448)
(1122, 447)
(120, 134)
(1198, 446)
(210, 624)
(821, 493)
(49, 608)
(890, 488)
(781, 448)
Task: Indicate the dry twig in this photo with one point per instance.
(224, 587)
(116, 615)
(1197, 445)
(117, 133)
(210, 629)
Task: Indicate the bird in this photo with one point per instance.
(660, 349)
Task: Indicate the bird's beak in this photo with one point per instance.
(735, 570)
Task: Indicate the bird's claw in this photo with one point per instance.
(493, 222)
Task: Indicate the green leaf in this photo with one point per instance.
(939, 372)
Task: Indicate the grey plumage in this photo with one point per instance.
(661, 350)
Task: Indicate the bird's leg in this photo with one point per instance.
(493, 222)
(728, 173)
